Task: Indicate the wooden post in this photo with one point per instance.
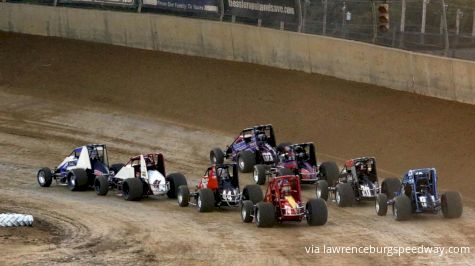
(325, 9)
(446, 31)
(403, 15)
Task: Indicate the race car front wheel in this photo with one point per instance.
(44, 177)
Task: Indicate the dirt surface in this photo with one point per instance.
(57, 94)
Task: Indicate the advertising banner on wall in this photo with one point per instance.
(282, 10)
(184, 5)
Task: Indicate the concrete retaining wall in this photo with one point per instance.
(444, 78)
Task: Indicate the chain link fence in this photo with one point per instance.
(415, 25)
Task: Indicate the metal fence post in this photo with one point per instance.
(473, 27)
(282, 25)
(374, 20)
(424, 16)
(55, 3)
(343, 20)
(221, 10)
(299, 10)
(139, 8)
(446, 31)
(457, 20)
(325, 10)
(403, 15)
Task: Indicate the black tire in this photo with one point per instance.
(329, 171)
(390, 186)
(321, 190)
(265, 214)
(381, 204)
(317, 212)
(44, 177)
(246, 161)
(101, 185)
(132, 189)
(402, 208)
(344, 195)
(77, 180)
(284, 172)
(259, 174)
(183, 196)
(205, 201)
(253, 193)
(216, 156)
(452, 206)
(247, 211)
(116, 167)
(176, 180)
(281, 147)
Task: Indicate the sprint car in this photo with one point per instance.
(358, 180)
(282, 202)
(418, 193)
(298, 159)
(219, 187)
(79, 169)
(143, 175)
(255, 145)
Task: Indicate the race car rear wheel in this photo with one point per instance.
(77, 180)
(265, 214)
(381, 204)
(329, 171)
(205, 201)
(216, 156)
(322, 189)
(183, 196)
(344, 195)
(452, 206)
(253, 193)
(317, 212)
(402, 208)
(246, 161)
(259, 174)
(132, 189)
(44, 177)
(390, 186)
(176, 180)
(101, 185)
(247, 210)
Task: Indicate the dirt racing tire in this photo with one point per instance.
(183, 196)
(284, 172)
(390, 186)
(205, 200)
(317, 212)
(44, 177)
(247, 211)
(176, 180)
(321, 190)
(77, 180)
(116, 167)
(259, 174)
(381, 204)
(132, 189)
(216, 156)
(402, 208)
(344, 195)
(246, 161)
(264, 214)
(329, 172)
(253, 193)
(281, 147)
(101, 185)
(452, 206)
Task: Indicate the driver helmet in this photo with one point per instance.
(94, 155)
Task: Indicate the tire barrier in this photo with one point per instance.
(15, 219)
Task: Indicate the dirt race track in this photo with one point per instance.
(57, 94)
